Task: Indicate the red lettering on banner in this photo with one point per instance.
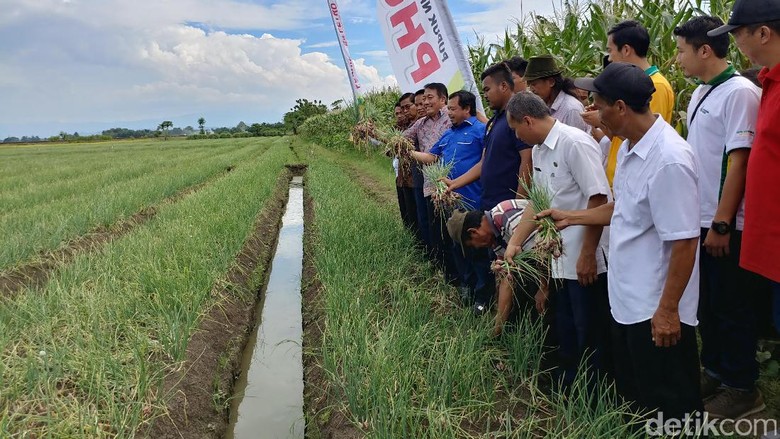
(426, 68)
(413, 32)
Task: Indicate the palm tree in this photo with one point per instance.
(164, 126)
(201, 124)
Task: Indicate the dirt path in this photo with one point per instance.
(35, 274)
(198, 392)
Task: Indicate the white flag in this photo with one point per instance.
(424, 45)
(342, 37)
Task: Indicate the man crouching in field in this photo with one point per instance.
(492, 229)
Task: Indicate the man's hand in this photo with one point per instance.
(449, 184)
(560, 217)
(541, 300)
(717, 245)
(591, 117)
(665, 327)
(511, 252)
(586, 268)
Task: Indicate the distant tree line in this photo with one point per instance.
(302, 110)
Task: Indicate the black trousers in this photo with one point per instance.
(728, 329)
(653, 378)
(408, 208)
(441, 244)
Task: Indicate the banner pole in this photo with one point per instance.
(341, 36)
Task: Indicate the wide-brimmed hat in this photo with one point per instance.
(542, 66)
(455, 228)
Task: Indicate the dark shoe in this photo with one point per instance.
(479, 309)
(735, 404)
(709, 386)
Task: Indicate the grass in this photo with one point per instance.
(85, 356)
(42, 216)
(408, 362)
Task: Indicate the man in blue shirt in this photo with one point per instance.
(504, 163)
(461, 145)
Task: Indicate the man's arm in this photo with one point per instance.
(524, 228)
(666, 320)
(733, 191)
(504, 304)
(599, 216)
(525, 172)
(587, 270)
(470, 176)
(424, 157)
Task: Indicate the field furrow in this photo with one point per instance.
(46, 192)
(27, 232)
(85, 357)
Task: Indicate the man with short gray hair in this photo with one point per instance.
(567, 162)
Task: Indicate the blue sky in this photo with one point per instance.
(89, 65)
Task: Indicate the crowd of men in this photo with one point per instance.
(660, 233)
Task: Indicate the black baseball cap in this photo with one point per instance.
(749, 12)
(621, 81)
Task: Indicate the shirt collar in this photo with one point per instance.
(721, 78)
(493, 228)
(646, 143)
(771, 75)
(652, 70)
(442, 113)
(552, 137)
(467, 123)
(558, 101)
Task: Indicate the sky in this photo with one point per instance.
(88, 65)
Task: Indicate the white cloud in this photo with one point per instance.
(323, 45)
(120, 61)
(499, 15)
(375, 53)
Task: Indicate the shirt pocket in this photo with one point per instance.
(635, 193)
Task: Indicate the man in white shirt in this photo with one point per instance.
(721, 125)
(567, 162)
(653, 247)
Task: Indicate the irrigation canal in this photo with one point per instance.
(268, 401)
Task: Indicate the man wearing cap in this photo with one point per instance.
(492, 229)
(506, 159)
(653, 247)
(628, 41)
(721, 125)
(546, 80)
(567, 163)
(755, 25)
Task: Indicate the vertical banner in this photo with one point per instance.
(342, 38)
(424, 46)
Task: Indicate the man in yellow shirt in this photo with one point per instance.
(628, 41)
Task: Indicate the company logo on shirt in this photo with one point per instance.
(745, 134)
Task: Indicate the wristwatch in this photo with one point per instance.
(721, 227)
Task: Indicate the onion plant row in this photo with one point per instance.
(42, 189)
(44, 226)
(403, 358)
(85, 356)
(24, 165)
